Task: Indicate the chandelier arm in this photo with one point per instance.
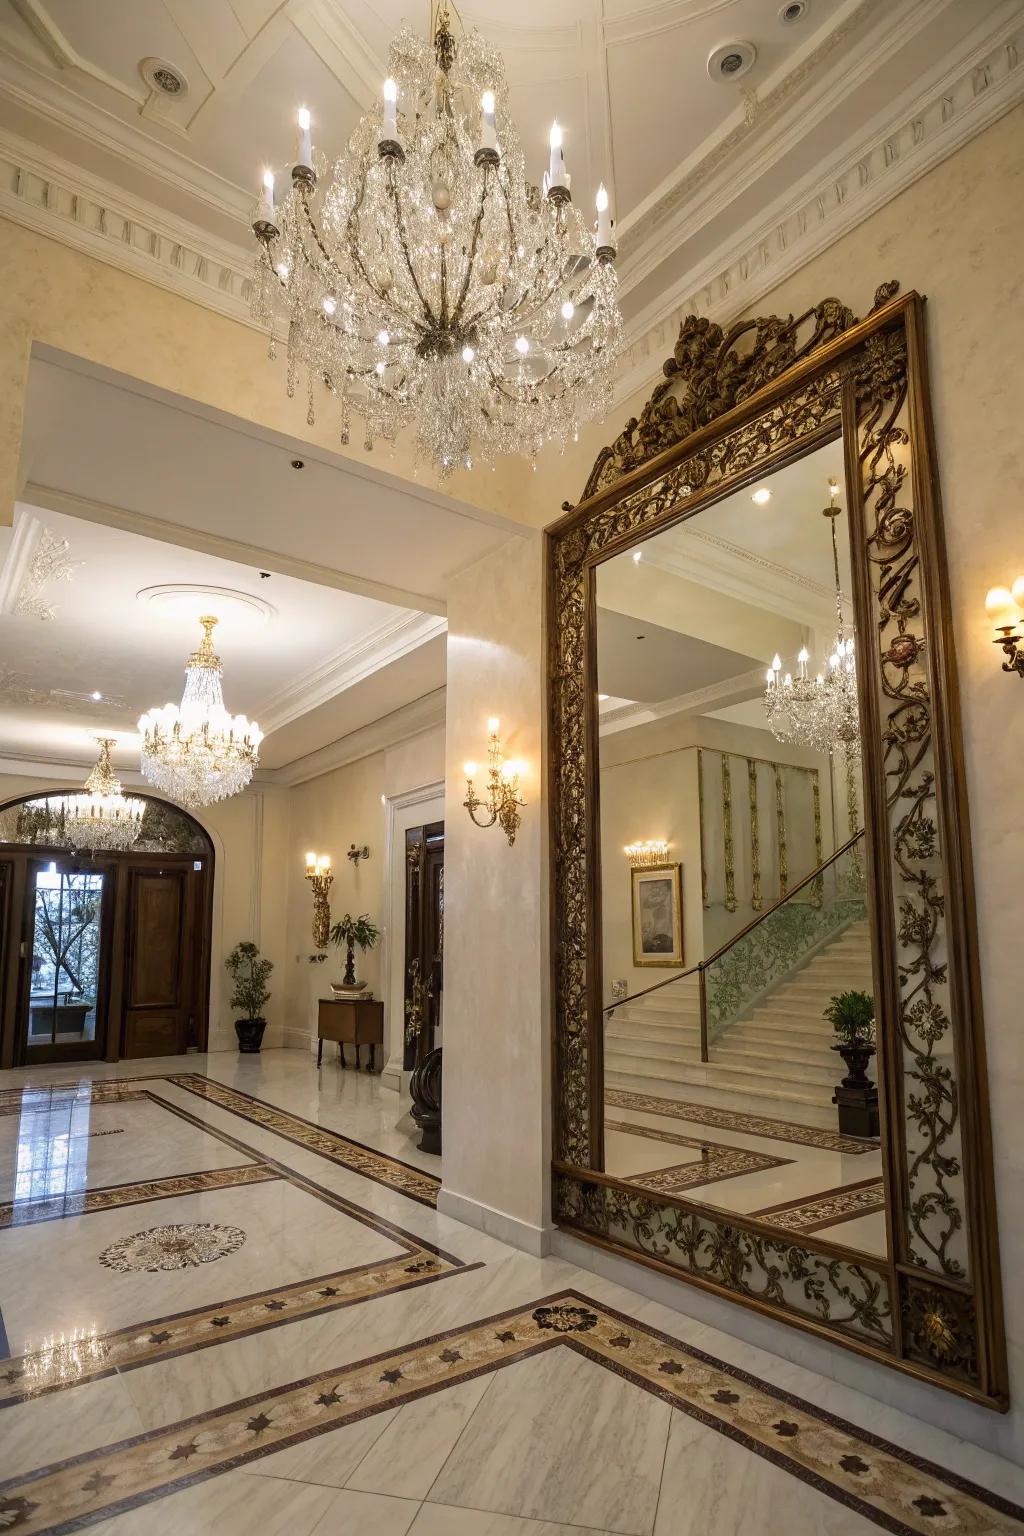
(404, 241)
(471, 255)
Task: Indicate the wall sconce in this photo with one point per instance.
(318, 873)
(355, 854)
(1003, 606)
(647, 855)
(503, 800)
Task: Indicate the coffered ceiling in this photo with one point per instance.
(714, 181)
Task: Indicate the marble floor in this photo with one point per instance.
(796, 1177)
(231, 1306)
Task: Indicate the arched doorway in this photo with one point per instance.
(102, 956)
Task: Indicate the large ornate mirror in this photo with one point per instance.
(770, 1072)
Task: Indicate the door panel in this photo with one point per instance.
(156, 1003)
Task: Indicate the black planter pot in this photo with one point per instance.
(250, 1033)
(856, 1097)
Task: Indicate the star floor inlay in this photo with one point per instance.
(179, 1246)
(888, 1486)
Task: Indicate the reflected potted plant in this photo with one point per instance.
(352, 931)
(249, 970)
(852, 1016)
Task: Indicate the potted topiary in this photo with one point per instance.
(249, 970)
(852, 1016)
(349, 932)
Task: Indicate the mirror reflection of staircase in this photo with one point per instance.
(775, 1059)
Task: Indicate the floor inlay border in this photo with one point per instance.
(809, 1213)
(893, 1488)
(737, 1120)
(717, 1161)
(353, 1155)
(110, 1197)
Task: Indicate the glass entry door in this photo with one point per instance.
(65, 1014)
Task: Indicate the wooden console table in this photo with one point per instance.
(356, 1022)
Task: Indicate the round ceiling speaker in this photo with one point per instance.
(163, 77)
(731, 61)
(189, 602)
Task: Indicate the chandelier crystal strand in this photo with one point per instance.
(102, 816)
(820, 712)
(197, 752)
(425, 282)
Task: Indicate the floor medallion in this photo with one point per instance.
(175, 1247)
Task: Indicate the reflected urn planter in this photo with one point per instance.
(856, 1097)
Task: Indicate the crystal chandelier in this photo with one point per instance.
(197, 753)
(423, 280)
(819, 712)
(101, 816)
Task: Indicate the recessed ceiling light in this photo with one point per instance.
(97, 695)
(163, 77)
(601, 698)
(761, 496)
(298, 463)
(795, 11)
(638, 555)
(731, 61)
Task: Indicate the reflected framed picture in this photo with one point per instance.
(658, 915)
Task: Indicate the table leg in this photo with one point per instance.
(357, 1058)
(341, 1053)
(319, 1052)
(373, 1057)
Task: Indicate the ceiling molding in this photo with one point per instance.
(226, 549)
(22, 545)
(410, 720)
(899, 151)
(336, 40)
(388, 642)
(732, 690)
(742, 574)
(43, 27)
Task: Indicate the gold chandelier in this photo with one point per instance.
(197, 752)
(102, 816)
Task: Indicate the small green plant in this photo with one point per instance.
(852, 1016)
(349, 932)
(249, 971)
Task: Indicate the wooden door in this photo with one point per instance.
(424, 938)
(158, 995)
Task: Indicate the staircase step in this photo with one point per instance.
(793, 1084)
(757, 1101)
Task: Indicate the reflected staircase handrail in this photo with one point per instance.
(699, 969)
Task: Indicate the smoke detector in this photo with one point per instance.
(731, 61)
(165, 78)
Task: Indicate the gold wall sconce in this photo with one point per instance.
(355, 854)
(1003, 606)
(647, 855)
(318, 873)
(502, 801)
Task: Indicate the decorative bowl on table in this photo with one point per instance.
(346, 989)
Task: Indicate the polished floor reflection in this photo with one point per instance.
(231, 1305)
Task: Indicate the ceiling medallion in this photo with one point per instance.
(424, 281)
(197, 752)
(820, 712)
(101, 816)
(190, 600)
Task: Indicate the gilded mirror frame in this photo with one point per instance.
(732, 408)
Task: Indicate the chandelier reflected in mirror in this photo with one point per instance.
(818, 711)
(425, 282)
(101, 816)
(197, 752)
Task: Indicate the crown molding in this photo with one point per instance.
(22, 544)
(400, 725)
(743, 574)
(388, 642)
(902, 145)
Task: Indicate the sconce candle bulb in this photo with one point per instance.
(318, 873)
(1004, 608)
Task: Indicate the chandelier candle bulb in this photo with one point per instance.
(604, 220)
(305, 141)
(488, 134)
(558, 178)
(389, 130)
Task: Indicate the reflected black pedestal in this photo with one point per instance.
(858, 1110)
